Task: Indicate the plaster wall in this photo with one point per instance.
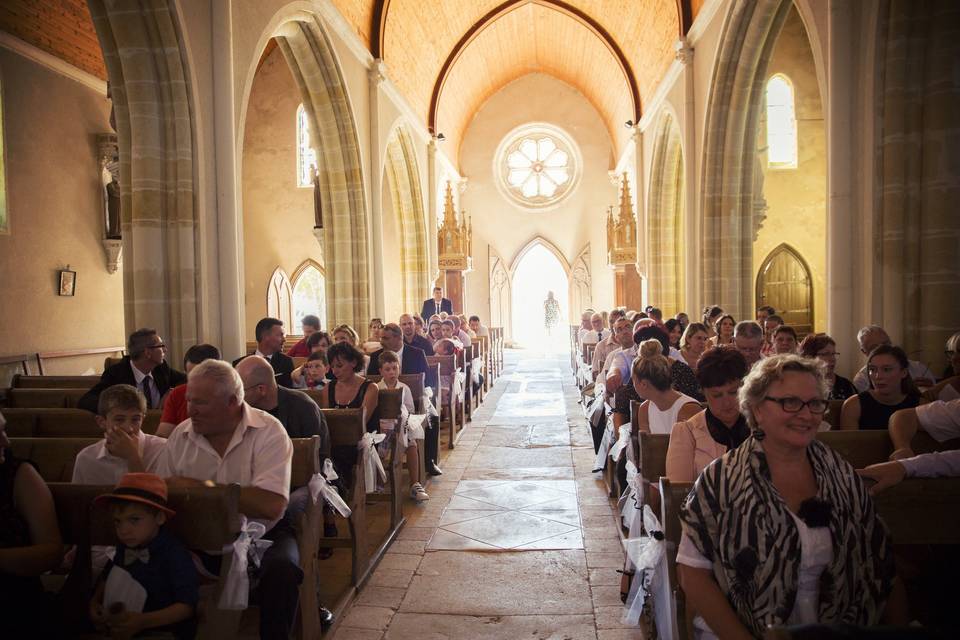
(501, 224)
(278, 215)
(55, 212)
(797, 198)
(392, 277)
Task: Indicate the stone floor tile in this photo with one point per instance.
(611, 545)
(452, 516)
(389, 597)
(500, 584)
(348, 633)
(415, 533)
(412, 626)
(633, 633)
(590, 511)
(412, 547)
(399, 561)
(445, 540)
(509, 529)
(516, 494)
(395, 578)
(363, 617)
(604, 576)
(609, 618)
(606, 596)
(603, 559)
(570, 540)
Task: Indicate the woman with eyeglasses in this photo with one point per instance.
(781, 531)
(891, 389)
(824, 348)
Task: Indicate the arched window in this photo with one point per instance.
(278, 297)
(306, 156)
(309, 294)
(781, 124)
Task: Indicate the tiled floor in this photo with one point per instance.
(518, 539)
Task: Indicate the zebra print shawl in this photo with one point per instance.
(736, 518)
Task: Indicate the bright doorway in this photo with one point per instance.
(536, 273)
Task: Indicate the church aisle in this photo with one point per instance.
(518, 539)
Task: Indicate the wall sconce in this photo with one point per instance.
(441, 137)
(67, 283)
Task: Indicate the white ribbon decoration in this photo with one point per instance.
(623, 441)
(372, 465)
(456, 385)
(648, 555)
(320, 486)
(604, 449)
(427, 401)
(415, 427)
(237, 586)
(632, 500)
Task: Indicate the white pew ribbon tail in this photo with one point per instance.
(248, 547)
(415, 427)
(604, 449)
(428, 405)
(320, 487)
(623, 441)
(372, 465)
(648, 555)
(631, 502)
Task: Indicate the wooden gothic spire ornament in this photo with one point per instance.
(454, 244)
(622, 250)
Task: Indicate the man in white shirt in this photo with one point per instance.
(227, 441)
(477, 327)
(939, 419)
(124, 448)
(871, 337)
(596, 333)
(622, 334)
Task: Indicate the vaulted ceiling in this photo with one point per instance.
(62, 28)
(448, 56)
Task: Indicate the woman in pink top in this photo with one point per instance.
(709, 434)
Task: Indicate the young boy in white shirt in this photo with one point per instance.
(124, 448)
(390, 379)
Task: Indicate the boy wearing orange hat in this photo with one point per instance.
(153, 557)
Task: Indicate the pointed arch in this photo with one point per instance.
(666, 218)
(581, 281)
(403, 179)
(308, 292)
(280, 297)
(728, 214)
(500, 295)
(313, 64)
(785, 282)
(562, 259)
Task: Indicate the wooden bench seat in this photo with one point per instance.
(450, 417)
(63, 423)
(41, 398)
(21, 381)
(53, 457)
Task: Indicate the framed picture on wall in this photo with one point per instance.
(68, 282)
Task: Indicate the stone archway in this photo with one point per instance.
(149, 81)
(403, 180)
(666, 217)
(311, 59)
(728, 218)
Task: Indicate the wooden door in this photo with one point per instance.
(785, 284)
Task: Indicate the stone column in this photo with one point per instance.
(376, 75)
(691, 222)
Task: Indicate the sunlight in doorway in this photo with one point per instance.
(538, 273)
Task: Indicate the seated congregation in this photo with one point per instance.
(200, 502)
(780, 493)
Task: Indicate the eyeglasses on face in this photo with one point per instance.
(792, 404)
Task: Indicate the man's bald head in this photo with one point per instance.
(259, 382)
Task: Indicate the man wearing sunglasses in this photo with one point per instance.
(144, 368)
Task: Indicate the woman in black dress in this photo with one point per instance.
(891, 389)
(349, 389)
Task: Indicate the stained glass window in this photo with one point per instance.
(306, 156)
(781, 124)
(537, 166)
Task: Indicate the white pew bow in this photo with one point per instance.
(604, 449)
(428, 405)
(372, 465)
(320, 486)
(631, 502)
(249, 547)
(415, 427)
(648, 555)
(623, 441)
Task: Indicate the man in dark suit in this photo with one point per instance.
(144, 368)
(435, 305)
(410, 336)
(269, 335)
(412, 359)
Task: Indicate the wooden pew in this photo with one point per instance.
(53, 457)
(21, 381)
(41, 398)
(673, 495)
(480, 355)
(417, 387)
(832, 416)
(347, 427)
(207, 518)
(309, 530)
(390, 402)
(63, 423)
(446, 403)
